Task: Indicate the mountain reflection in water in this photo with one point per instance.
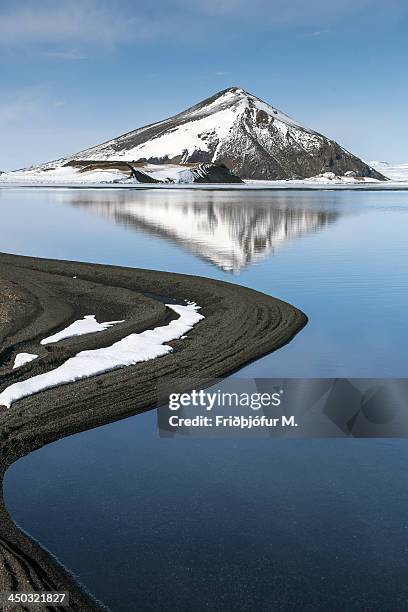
(227, 230)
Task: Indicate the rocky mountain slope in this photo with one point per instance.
(253, 139)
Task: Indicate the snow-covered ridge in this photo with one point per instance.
(395, 172)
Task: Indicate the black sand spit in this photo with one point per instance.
(39, 297)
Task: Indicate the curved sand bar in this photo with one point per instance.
(40, 297)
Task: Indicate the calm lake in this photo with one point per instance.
(152, 524)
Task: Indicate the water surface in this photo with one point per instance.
(221, 524)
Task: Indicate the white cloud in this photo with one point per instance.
(78, 21)
(292, 13)
(318, 33)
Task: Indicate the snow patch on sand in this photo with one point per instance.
(22, 358)
(130, 350)
(87, 325)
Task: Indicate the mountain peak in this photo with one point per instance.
(234, 90)
(233, 127)
(240, 101)
(231, 93)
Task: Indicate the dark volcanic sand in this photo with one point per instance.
(39, 297)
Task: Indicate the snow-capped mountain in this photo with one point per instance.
(253, 139)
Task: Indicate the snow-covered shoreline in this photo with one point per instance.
(248, 185)
(395, 172)
(174, 176)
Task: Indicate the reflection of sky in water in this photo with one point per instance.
(221, 524)
(339, 256)
(233, 524)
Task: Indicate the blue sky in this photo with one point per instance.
(74, 73)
